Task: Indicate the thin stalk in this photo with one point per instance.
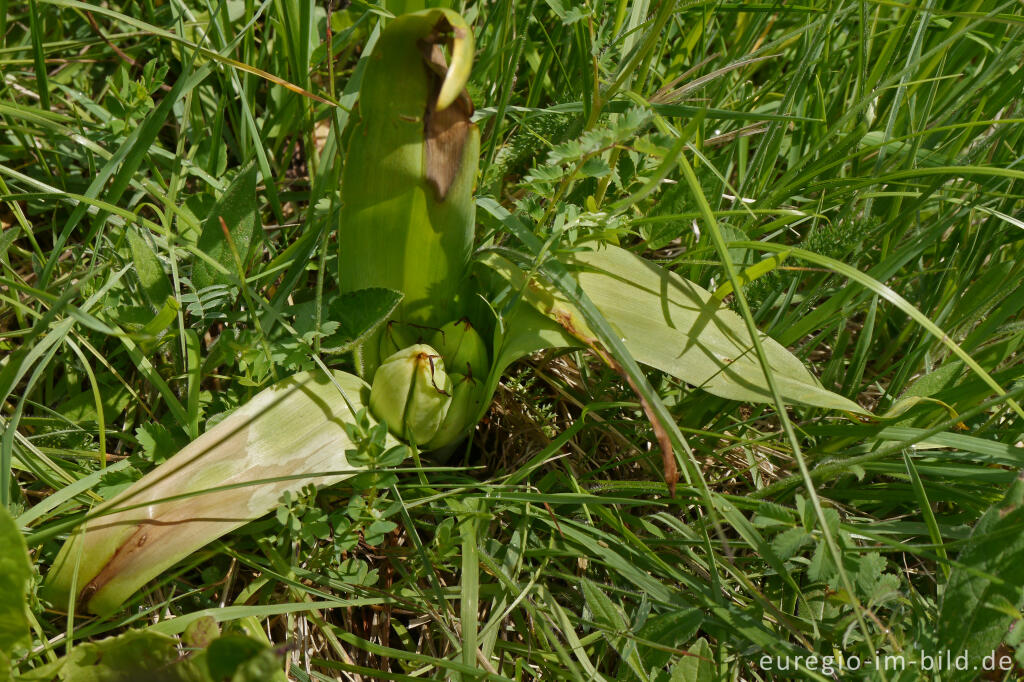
(780, 407)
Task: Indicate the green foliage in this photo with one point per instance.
(230, 233)
(149, 270)
(131, 656)
(698, 666)
(883, 136)
(241, 659)
(138, 655)
(983, 598)
(130, 101)
(15, 573)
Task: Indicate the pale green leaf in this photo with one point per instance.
(674, 325)
(286, 437)
(698, 666)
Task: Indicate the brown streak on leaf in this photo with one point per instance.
(155, 524)
(444, 131)
(111, 568)
(668, 459)
(565, 319)
(554, 518)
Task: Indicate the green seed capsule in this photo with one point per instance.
(398, 335)
(467, 397)
(462, 348)
(412, 393)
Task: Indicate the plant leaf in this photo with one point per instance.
(286, 437)
(155, 285)
(671, 324)
(238, 208)
(237, 657)
(407, 212)
(984, 587)
(358, 314)
(15, 571)
(699, 666)
(135, 655)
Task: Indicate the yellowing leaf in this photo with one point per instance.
(286, 437)
(674, 325)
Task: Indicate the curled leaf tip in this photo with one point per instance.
(447, 117)
(452, 30)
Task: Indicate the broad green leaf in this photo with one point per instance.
(984, 590)
(358, 314)
(131, 657)
(698, 666)
(527, 331)
(241, 659)
(155, 285)
(407, 210)
(240, 212)
(673, 325)
(286, 437)
(15, 571)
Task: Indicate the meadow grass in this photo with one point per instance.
(847, 176)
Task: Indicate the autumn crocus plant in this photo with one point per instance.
(428, 365)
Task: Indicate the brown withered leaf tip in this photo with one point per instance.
(668, 460)
(444, 131)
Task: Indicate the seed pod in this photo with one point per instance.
(462, 348)
(412, 392)
(467, 398)
(397, 335)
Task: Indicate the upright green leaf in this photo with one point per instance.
(239, 210)
(407, 210)
(155, 285)
(984, 591)
(697, 666)
(15, 571)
